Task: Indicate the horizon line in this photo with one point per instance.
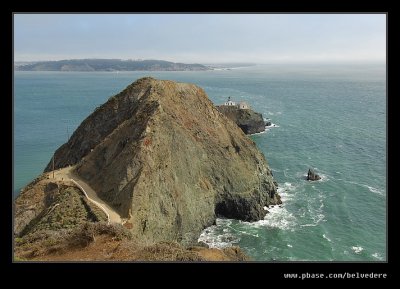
(280, 61)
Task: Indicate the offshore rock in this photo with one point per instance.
(312, 176)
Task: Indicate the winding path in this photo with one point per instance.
(66, 173)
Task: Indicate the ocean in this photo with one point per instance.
(331, 118)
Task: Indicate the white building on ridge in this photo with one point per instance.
(241, 105)
(230, 102)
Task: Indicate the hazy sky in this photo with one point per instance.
(203, 38)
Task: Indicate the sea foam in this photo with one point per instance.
(214, 237)
(377, 256)
(326, 238)
(357, 249)
(370, 188)
(278, 217)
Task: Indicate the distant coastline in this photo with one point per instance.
(89, 65)
(229, 66)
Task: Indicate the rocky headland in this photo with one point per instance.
(163, 158)
(247, 119)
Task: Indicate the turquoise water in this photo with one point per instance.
(331, 118)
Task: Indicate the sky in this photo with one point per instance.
(202, 38)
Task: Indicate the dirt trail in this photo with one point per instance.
(66, 174)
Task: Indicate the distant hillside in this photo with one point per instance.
(21, 63)
(109, 65)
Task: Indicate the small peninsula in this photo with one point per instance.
(241, 113)
(158, 163)
(110, 65)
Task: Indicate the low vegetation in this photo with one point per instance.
(101, 241)
(67, 208)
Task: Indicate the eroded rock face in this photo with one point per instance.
(164, 157)
(248, 120)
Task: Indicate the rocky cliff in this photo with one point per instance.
(165, 158)
(248, 120)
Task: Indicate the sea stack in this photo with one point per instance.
(169, 162)
(312, 176)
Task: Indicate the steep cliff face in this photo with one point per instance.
(165, 158)
(248, 120)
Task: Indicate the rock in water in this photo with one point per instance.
(312, 176)
(165, 158)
